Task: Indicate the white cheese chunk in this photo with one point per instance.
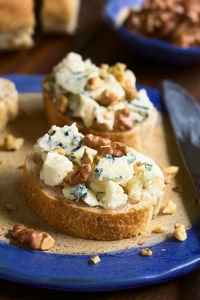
(67, 192)
(66, 137)
(73, 72)
(134, 188)
(105, 117)
(55, 168)
(142, 106)
(91, 199)
(86, 110)
(114, 196)
(113, 168)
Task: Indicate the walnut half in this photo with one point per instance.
(34, 239)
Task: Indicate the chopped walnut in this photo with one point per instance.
(170, 208)
(12, 143)
(94, 83)
(1, 229)
(108, 98)
(95, 142)
(169, 173)
(78, 176)
(146, 252)
(86, 159)
(160, 229)
(34, 239)
(180, 232)
(118, 71)
(120, 146)
(103, 70)
(141, 243)
(130, 90)
(177, 189)
(94, 260)
(117, 153)
(9, 207)
(103, 150)
(61, 103)
(123, 120)
(59, 151)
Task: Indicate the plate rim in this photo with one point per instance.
(110, 279)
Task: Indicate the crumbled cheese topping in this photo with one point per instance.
(113, 181)
(71, 78)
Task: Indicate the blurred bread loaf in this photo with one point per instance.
(16, 24)
(8, 102)
(59, 16)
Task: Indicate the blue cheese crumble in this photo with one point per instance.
(113, 181)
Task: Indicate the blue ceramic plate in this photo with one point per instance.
(124, 269)
(149, 47)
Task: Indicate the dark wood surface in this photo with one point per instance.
(94, 39)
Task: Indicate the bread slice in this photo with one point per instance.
(79, 219)
(60, 16)
(17, 22)
(135, 138)
(8, 102)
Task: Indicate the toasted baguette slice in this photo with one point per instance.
(17, 23)
(8, 102)
(79, 219)
(60, 16)
(135, 138)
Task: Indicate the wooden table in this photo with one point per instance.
(94, 39)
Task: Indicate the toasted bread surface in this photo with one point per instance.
(135, 138)
(79, 219)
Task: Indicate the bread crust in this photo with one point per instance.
(59, 16)
(135, 138)
(79, 219)
(16, 14)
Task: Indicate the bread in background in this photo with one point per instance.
(60, 16)
(17, 23)
(8, 102)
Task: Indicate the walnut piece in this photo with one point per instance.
(130, 90)
(179, 232)
(12, 143)
(103, 71)
(86, 158)
(94, 260)
(61, 103)
(123, 120)
(34, 239)
(177, 189)
(169, 173)
(103, 150)
(78, 176)
(160, 229)
(120, 146)
(95, 142)
(59, 151)
(146, 252)
(170, 208)
(108, 98)
(1, 229)
(118, 71)
(94, 83)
